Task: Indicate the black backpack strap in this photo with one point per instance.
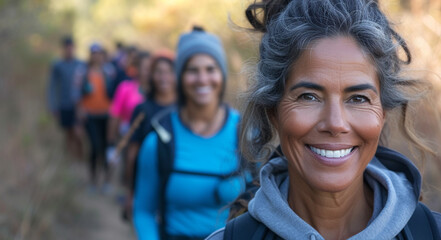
(246, 227)
(166, 154)
(421, 225)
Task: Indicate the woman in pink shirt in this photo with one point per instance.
(128, 95)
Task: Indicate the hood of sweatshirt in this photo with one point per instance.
(395, 181)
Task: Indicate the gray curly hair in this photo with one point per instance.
(289, 28)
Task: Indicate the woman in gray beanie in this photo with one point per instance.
(187, 166)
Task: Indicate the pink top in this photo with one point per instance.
(126, 98)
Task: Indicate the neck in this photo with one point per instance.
(203, 120)
(95, 66)
(165, 98)
(335, 215)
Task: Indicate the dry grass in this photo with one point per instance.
(37, 184)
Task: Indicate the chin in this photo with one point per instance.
(332, 183)
(203, 101)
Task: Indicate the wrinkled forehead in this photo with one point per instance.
(336, 55)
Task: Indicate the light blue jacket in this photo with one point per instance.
(194, 202)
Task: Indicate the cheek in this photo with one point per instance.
(368, 123)
(187, 82)
(295, 121)
(169, 78)
(217, 80)
(156, 78)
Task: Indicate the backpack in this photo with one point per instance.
(421, 225)
(162, 125)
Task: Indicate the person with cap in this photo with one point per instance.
(62, 97)
(94, 81)
(187, 165)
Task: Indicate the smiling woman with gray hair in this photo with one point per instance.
(329, 73)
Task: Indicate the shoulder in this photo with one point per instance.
(121, 89)
(148, 149)
(168, 115)
(244, 226)
(146, 105)
(108, 67)
(437, 217)
(234, 112)
(132, 85)
(79, 62)
(150, 141)
(218, 235)
(139, 108)
(56, 63)
(136, 111)
(124, 85)
(233, 115)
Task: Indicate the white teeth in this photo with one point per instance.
(203, 90)
(331, 153)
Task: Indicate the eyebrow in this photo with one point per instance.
(360, 87)
(307, 85)
(354, 88)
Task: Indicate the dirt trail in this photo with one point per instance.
(109, 225)
(101, 212)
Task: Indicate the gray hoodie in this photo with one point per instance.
(395, 181)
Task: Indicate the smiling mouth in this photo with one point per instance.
(331, 153)
(203, 90)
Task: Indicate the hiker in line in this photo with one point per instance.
(125, 67)
(187, 165)
(128, 95)
(118, 54)
(161, 94)
(63, 95)
(329, 74)
(94, 82)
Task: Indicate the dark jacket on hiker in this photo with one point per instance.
(395, 181)
(62, 91)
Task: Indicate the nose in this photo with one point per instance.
(334, 119)
(202, 77)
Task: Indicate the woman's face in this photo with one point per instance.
(330, 117)
(97, 57)
(202, 80)
(164, 77)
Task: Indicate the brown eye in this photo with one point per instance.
(359, 99)
(308, 97)
(191, 70)
(211, 69)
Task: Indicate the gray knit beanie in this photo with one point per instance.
(196, 42)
